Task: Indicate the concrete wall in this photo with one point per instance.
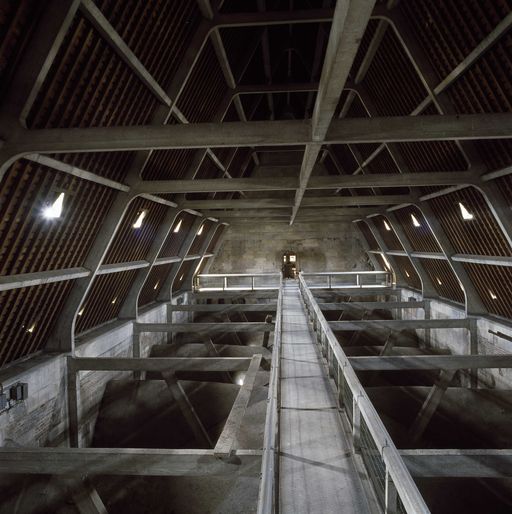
(457, 340)
(41, 420)
(259, 247)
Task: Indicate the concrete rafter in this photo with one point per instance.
(347, 29)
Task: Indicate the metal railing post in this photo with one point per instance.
(356, 425)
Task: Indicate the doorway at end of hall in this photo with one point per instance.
(289, 267)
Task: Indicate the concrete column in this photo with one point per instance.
(165, 294)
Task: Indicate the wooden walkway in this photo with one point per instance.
(317, 473)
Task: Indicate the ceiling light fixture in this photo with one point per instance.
(55, 209)
(415, 221)
(466, 215)
(140, 218)
(386, 225)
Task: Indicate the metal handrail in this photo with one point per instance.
(267, 497)
(395, 467)
(359, 275)
(224, 286)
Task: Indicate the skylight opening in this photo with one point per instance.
(140, 219)
(386, 226)
(54, 210)
(415, 221)
(178, 226)
(493, 296)
(466, 215)
(386, 262)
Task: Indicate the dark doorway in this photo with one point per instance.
(290, 265)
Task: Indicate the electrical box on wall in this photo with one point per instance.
(18, 392)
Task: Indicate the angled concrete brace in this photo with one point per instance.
(85, 496)
(129, 308)
(216, 250)
(39, 54)
(189, 277)
(437, 91)
(431, 404)
(63, 336)
(398, 273)
(187, 409)
(474, 304)
(429, 291)
(376, 264)
(165, 294)
(226, 441)
(46, 38)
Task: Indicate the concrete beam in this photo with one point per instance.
(226, 308)
(425, 362)
(225, 444)
(107, 31)
(203, 328)
(55, 164)
(290, 183)
(398, 324)
(129, 308)
(447, 463)
(261, 133)
(431, 404)
(165, 293)
(253, 19)
(126, 461)
(159, 364)
(41, 277)
(187, 409)
(371, 305)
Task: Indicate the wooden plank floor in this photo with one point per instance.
(316, 468)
